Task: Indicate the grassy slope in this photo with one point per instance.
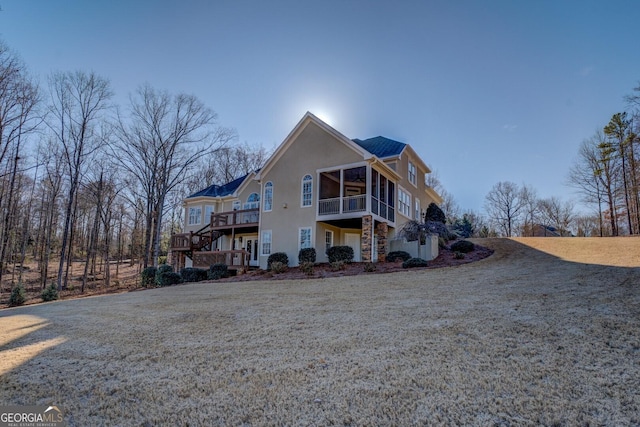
(523, 337)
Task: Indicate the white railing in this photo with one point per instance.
(354, 203)
(329, 206)
(340, 205)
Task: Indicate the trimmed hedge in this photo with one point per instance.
(168, 278)
(463, 246)
(280, 257)
(307, 255)
(192, 274)
(340, 253)
(398, 255)
(415, 262)
(148, 277)
(217, 271)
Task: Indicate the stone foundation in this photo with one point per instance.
(367, 238)
(382, 231)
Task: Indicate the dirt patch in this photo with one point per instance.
(523, 337)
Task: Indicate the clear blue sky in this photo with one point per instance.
(485, 91)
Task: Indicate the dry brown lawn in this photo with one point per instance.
(543, 332)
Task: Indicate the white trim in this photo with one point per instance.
(300, 237)
(409, 204)
(411, 165)
(302, 182)
(263, 241)
(198, 216)
(264, 197)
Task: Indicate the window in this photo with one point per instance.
(208, 210)
(195, 215)
(268, 196)
(236, 205)
(305, 238)
(404, 203)
(412, 173)
(328, 240)
(417, 209)
(266, 242)
(307, 190)
(253, 201)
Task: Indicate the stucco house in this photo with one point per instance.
(318, 189)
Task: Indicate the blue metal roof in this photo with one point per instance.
(220, 190)
(381, 147)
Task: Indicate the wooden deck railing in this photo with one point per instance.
(240, 218)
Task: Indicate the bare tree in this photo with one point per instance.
(160, 144)
(557, 214)
(504, 205)
(79, 101)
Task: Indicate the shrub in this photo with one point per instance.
(50, 293)
(18, 295)
(191, 274)
(280, 257)
(414, 262)
(307, 255)
(442, 243)
(168, 278)
(278, 267)
(440, 229)
(369, 267)
(162, 259)
(340, 253)
(435, 214)
(337, 265)
(217, 271)
(307, 268)
(148, 277)
(458, 255)
(164, 268)
(398, 256)
(463, 246)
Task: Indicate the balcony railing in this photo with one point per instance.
(245, 217)
(342, 205)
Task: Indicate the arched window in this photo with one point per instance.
(253, 201)
(307, 190)
(268, 196)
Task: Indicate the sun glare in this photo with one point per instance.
(322, 115)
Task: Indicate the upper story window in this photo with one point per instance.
(412, 173)
(404, 203)
(307, 190)
(208, 210)
(253, 201)
(236, 205)
(268, 196)
(195, 215)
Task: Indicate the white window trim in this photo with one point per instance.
(302, 205)
(326, 234)
(264, 202)
(413, 181)
(402, 203)
(300, 237)
(263, 241)
(199, 216)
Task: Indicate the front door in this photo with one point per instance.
(353, 240)
(252, 247)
